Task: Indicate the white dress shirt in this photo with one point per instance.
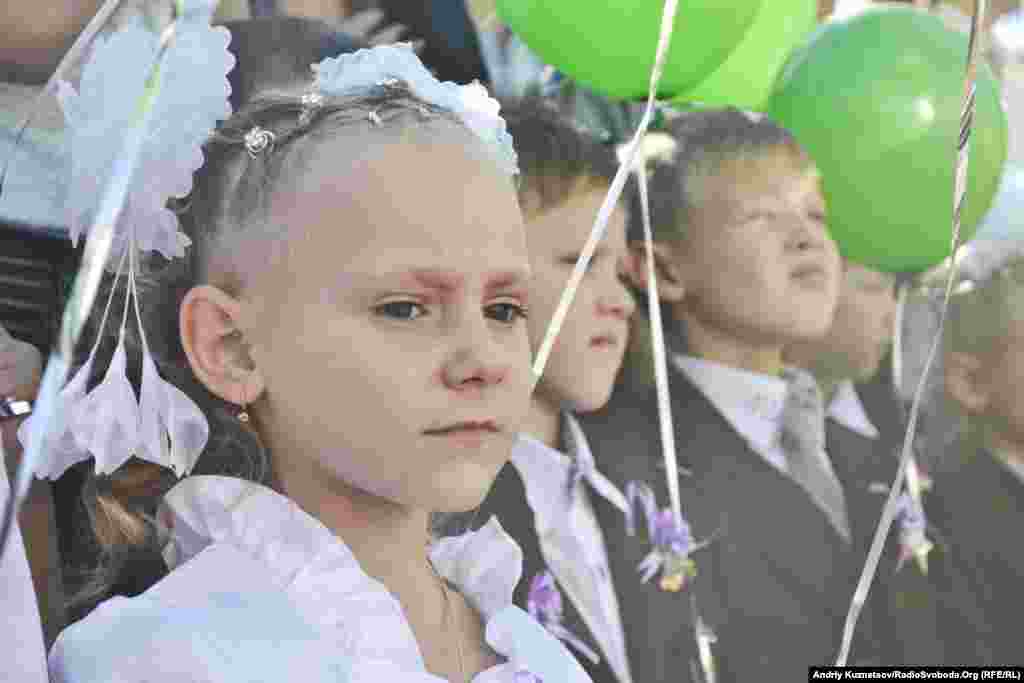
(21, 631)
(847, 409)
(569, 535)
(751, 402)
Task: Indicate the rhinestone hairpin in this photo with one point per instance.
(311, 101)
(374, 118)
(257, 140)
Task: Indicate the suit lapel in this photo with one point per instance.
(507, 500)
(774, 555)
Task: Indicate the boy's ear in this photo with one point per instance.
(963, 382)
(670, 281)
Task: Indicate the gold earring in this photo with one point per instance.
(243, 415)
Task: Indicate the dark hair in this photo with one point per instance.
(556, 158)
(704, 141)
(276, 52)
(231, 194)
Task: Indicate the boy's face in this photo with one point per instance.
(862, 329)
(588, 352)
(758, 263)
(1004, 374)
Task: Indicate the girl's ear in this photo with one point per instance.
(667, 270)
(215, 346)
(964, 384)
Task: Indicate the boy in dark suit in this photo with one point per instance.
(745, 268)
(545, 496)
(977, 501)
(865, 433)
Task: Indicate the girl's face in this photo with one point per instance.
(390, 333)
(589, 349)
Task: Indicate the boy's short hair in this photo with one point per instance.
(705, 141)
(556, 158)
(986, 303)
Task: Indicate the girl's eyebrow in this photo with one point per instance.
(447, 282)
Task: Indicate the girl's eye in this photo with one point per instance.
(401, 310)
(506, 312)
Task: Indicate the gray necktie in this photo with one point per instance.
(802, 438)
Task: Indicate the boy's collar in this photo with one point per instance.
(847, 409)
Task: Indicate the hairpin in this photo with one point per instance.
(257, 140)
(311, 102)
(374, 118)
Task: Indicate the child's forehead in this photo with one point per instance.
(766, 173)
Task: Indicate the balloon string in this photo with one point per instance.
(960, 195)
(618, 183)
(84, 290)
(668, 441)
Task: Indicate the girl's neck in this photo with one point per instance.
(720, 346)
(390, 541)
(544, 420)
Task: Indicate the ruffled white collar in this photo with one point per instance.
(323, 579)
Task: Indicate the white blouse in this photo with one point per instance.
(21, 631)
(261, 591)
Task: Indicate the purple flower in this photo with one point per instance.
(670, 536)
(913, 541)
(544, 603)
(671, 539)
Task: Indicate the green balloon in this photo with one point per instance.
(746, 77)
(609, 45)
(876, 101)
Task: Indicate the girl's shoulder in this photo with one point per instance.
(213, 619)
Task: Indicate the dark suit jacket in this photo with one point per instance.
(910, 628)
(978, 505)
(507, 501)
(775, 583)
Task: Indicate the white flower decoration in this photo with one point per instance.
(60, 446)
(364, 69)
(192, 96)
(173, 431)
(106, 422)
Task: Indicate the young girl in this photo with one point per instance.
(548, 496)
(351, 319)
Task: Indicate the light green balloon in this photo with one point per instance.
(746, 77)
(609, 45)
(876, 101)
